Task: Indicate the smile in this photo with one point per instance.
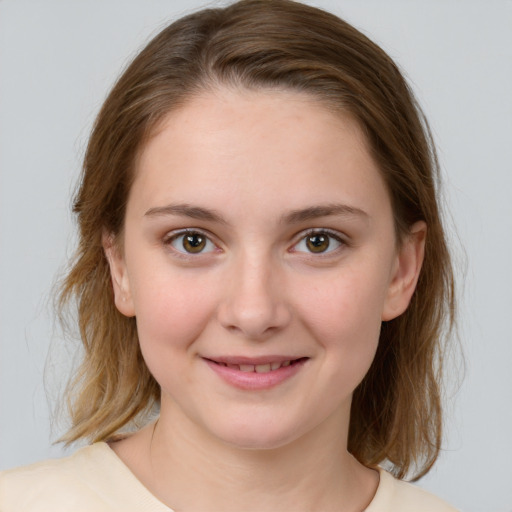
(258, 368)
(259, 374)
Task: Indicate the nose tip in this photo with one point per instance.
(255, 306)
(254, 322)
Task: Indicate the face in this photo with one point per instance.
(259, 258)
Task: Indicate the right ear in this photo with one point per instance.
(119, 275)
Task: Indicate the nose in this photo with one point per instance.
(254, 304)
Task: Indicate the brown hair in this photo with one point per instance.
(396, 410)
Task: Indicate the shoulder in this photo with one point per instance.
(52, 483)
(93, 478)
(398, 496)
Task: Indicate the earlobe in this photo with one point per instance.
(406, 272)
(119, 275)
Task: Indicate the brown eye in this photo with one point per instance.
(191, 242)
(317, 242)
(194, 242)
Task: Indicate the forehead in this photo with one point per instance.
(226, 144)
(259, 116)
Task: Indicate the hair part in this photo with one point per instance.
(267, 44)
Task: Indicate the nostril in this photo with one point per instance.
(254, 322)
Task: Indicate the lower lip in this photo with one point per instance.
(254, 380)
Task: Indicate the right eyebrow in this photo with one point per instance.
(186, 210)
(324, 210)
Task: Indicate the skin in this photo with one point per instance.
(267, 167)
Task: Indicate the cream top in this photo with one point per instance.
(95, 479)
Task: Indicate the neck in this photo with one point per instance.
(189, 470)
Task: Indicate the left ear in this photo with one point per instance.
(406, 271)
(119, 275)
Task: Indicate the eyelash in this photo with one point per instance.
(171, 238)
(332, 235)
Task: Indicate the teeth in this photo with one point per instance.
(258, 368)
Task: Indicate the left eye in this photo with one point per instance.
(191, 242)
(318, 242)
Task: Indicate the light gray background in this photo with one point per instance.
(57, 61)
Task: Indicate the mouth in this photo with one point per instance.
(257, 373)
(261, 367)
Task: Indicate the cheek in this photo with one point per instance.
(171, 313)
(347, 300)
(344, 315)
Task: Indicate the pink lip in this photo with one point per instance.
(254, 380)
(252, 360)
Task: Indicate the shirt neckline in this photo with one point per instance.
(378, 503)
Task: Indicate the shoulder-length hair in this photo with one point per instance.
(267, 44)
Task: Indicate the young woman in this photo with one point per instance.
(262, 266)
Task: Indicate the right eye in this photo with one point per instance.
(190, 242)
(319, 241)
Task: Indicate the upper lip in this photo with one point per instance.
(252, 360)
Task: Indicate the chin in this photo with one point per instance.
(262, 435)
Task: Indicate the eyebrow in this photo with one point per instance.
(293, 217)
(314, 212)
(186, 210)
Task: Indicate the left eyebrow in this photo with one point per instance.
(314, 212)
(186, 210)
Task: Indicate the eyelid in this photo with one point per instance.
(336, 235)
(171, 236)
